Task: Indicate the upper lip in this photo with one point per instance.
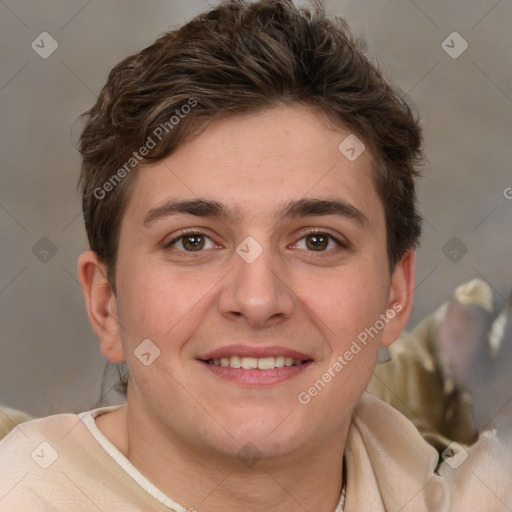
(254, 351)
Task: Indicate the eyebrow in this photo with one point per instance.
(197, 207)
(319, 207)
(292, 209)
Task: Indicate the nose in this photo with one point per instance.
(256, 293)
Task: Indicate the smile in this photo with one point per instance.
(255, 363)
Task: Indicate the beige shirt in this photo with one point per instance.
(64, 463)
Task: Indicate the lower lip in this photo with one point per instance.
(257, 377)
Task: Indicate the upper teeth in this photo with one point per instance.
(253, 363)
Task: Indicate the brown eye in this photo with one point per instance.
(317, 242)
(193, 242)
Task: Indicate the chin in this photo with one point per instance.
(271, 433)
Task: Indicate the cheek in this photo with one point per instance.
(163, 305)
(346, 302)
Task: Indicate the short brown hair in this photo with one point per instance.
(241, 57)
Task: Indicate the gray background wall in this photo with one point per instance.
(49, 357)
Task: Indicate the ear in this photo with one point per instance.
(400, 298)
(101, 305)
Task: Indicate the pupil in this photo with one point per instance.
(317, 242)
(194, 242)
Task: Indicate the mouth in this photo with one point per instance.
(256, 363)
(256, 366)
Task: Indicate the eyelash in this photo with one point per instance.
(183, 235)
(341, 244)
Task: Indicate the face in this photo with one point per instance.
(258, 244)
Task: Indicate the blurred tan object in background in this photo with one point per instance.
(9, 418)
(450, 375)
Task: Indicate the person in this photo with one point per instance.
(248, 195)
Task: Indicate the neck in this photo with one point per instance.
(206, 482)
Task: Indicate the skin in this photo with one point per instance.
(183, 424)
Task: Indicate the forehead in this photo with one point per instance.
(258, 162)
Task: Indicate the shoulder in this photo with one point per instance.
(43, 460)
(24, 438)
(384, 426)
(59, 430)
(27, 454)
(389, 465)
(480, 478)
(386, 447)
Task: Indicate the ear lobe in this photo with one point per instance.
(101, 305)
(400, 298)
